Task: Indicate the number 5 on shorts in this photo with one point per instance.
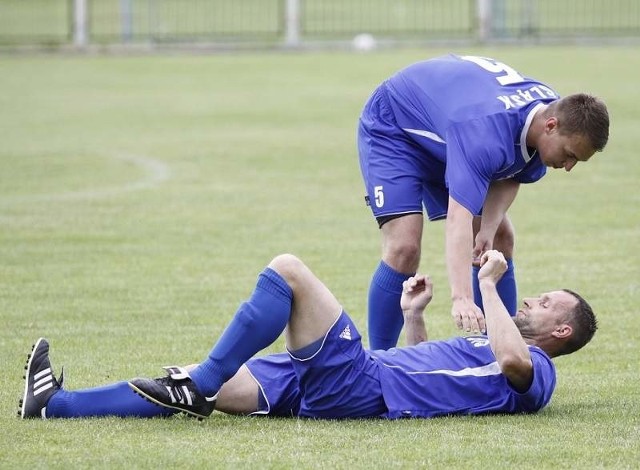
(379, 196)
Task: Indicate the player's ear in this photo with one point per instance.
(551, 124)
(562, 331)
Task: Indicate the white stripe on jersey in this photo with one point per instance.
(427, 134)
(482, 371)
(525, 130)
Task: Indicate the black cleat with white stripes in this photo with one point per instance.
(40, 383)
(176, 391)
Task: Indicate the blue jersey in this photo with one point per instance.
(457, 376)
(434, 378)
(470, 116)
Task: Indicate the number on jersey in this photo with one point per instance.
(507, 75)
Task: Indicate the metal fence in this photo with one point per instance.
(296, 22)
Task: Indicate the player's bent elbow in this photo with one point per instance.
(518, 370)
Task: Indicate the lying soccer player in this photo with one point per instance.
(327, 373)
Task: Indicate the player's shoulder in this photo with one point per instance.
(539, 352)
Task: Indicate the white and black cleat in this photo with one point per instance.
(39, 382)
(176, 391)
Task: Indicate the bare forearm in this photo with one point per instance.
(500, 196)
(417, 292)
(458, 268)
(503, 333)
(509, 347)
(459, 245)
(415, 329)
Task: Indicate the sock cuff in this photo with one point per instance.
(58, 404)
(270, 281)
(389, 279)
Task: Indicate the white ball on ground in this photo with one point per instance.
(364, 42)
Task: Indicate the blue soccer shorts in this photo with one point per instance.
(338, 379)
(399, 176)
(279, 391)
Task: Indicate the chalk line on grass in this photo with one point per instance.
(155, 172)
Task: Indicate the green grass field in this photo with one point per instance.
(140, 197)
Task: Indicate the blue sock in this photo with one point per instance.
(507, 289)
(385, 319)
(257, 323)
(111, 400)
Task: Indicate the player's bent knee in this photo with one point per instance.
(504, 240)
(403, 257)
(288, 266)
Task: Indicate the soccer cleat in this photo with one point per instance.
(40, 383)
(176, 391)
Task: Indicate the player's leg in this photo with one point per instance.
(257, 323)
(337, 377)
(393, 184)
(265, 385)
(315, 308)
(239, 395)
(44, 396)
(109, 400)
(504, 241)
(400, 259)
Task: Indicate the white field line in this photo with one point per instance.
(155, 172)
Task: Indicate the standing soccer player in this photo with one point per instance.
(457, 135)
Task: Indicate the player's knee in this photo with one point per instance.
(403, 256)
(288, 266)
(504, 240)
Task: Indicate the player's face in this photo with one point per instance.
(543, 314)
(559, 150)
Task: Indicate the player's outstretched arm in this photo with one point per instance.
(417, 292)
(505, 339)
(459, 244)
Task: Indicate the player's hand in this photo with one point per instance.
(482, 244)
(467, 315)
(417, 292)
(493, 266)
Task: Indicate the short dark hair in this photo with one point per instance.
(584, 114)
(583, 322)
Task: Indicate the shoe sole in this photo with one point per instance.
(164, 405)
(27, 375)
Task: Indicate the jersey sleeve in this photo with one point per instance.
(475, 153)
(543, 384)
